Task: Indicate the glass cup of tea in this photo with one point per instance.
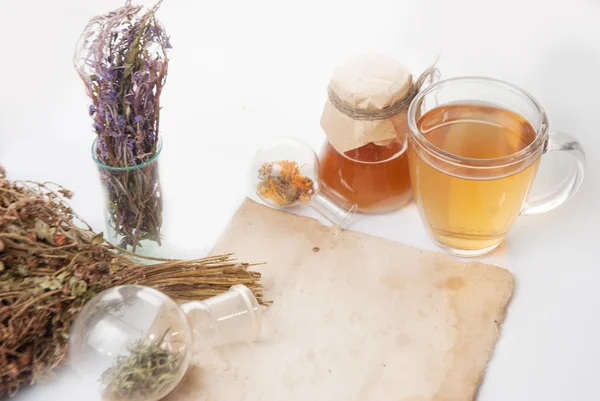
(475, 145)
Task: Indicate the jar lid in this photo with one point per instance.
(364, 95)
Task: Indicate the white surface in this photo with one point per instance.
(244, 72)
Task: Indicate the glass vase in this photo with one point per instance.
(133, 205)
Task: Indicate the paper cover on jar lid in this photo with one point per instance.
(367, 83)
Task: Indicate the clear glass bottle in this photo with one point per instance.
(284, 175)
(135, 343)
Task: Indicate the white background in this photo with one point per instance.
(244, 72)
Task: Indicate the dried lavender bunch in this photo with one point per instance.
(122, 59)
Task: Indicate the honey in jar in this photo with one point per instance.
(364, 159)
(375, 177)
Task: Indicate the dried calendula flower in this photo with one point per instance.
(283, 183)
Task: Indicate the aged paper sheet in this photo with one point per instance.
(355, 318)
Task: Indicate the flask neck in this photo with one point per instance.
(339, 216)
(228, 318)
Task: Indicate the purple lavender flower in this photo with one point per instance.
(111, 96)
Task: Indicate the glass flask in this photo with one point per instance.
(135, 343)
(284, 175)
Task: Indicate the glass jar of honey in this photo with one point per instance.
(374, 176)
(364, 159)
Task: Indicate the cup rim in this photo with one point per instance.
(415, 133)
(159, 146)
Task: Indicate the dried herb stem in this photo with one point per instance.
(145, 372)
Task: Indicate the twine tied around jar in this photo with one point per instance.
(356, 113)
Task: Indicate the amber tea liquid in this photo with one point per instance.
(465, 211)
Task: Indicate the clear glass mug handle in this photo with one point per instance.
(570, 185)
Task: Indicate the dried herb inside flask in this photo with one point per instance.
(283, 176)
(283, 183)
(146, 371)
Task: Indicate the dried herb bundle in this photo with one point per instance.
(146, 371)
(283, 183)
(50, 267)
(122, 59)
